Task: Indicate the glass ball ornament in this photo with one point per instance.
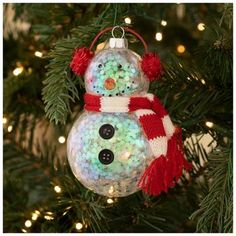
(109, 152)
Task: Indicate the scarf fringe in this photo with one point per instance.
(165, 171)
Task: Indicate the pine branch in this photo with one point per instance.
(60, 86)
(215, 214)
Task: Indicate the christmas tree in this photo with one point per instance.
(43, 98)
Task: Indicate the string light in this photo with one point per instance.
(209, 124)
(24, 230)
(111, 189)
(49, 216)
(78, 226)
(110, 201)
(57, 189)
(38, 54)
(158, 36)
(188, 78)
(164, 23)
(28, 223)
(201, 26)
(181, 48)
(34, 216)
(49, 213)
(125, 156)
(61, 139)
(30, 70)
(18, 71)
(4, 120)
(37, 212)
(9, 128)
(128, 20)
(203, 81)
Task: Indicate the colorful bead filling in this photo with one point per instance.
(109, 177)
(121, 66)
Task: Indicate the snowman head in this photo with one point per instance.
(116, 70)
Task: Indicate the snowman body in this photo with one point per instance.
(109, 151)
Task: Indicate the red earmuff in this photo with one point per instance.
(150, 64)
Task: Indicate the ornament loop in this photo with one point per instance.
(116, 27)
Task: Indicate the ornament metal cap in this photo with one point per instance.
(118, 43)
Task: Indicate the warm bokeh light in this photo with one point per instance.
(57, 189)
(209, 124)
(164, 23)
(78, 226)
(9, 128)
(181, 48)
(38, 54)
(34, 216)
(4, 120)
(28, 223)
(128, 20)
(110, 201)
(203, 81)
(18, 71)
(158, 36)
(61, 139)
(201, 26)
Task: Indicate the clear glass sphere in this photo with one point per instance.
(115, 72)
(108, 152)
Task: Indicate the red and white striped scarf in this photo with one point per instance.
(164, 138)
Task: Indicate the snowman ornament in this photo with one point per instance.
(124, 140)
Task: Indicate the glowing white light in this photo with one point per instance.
(111, 189)
(158, 36)
(78, 226)
(9, 128)
(37, 212)
(188, 78)
(24, 231)
(28, 223)
(57, 189)
(164, 23)
(18, 71)
(127, 20)
(49, 213)
(4, 120)
(125, 156)
(109, 201)
(209, 124)
(61, 139)
(201, 26)
(34, 216)
(38, 54)
(203, 81)
(48, 217)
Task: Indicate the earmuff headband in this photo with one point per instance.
(150, 63)
(126, 29)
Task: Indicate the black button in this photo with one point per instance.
(106, 131)
(106, 156)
